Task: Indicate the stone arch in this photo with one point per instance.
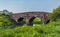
(31, 20)
(19, 20)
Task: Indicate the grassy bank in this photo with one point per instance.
(49, 30)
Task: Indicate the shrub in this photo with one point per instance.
(35, 31)
(49, 30)
(37, 21)
(5, 21)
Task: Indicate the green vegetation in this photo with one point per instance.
(56, 14)
(5, 21)
(5, 12)
(52, 29)
(37, 21)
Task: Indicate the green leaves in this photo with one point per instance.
(5, 21)
(56, 14)
(37, 21)
(50, 30)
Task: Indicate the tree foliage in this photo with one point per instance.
(5, 12)
(56, 14)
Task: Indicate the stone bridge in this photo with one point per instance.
(30, 16)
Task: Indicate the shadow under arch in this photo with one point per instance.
(20, 21)
(32, 19)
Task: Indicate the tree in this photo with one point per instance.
(6, 12)
(56, 14)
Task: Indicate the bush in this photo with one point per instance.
(5, 21)
(35, 31)
(37, 21)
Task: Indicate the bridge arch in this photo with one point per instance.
(31, 20)
(20, 19)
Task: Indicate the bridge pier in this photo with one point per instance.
(29, 23)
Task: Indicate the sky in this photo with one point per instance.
(17, 6)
